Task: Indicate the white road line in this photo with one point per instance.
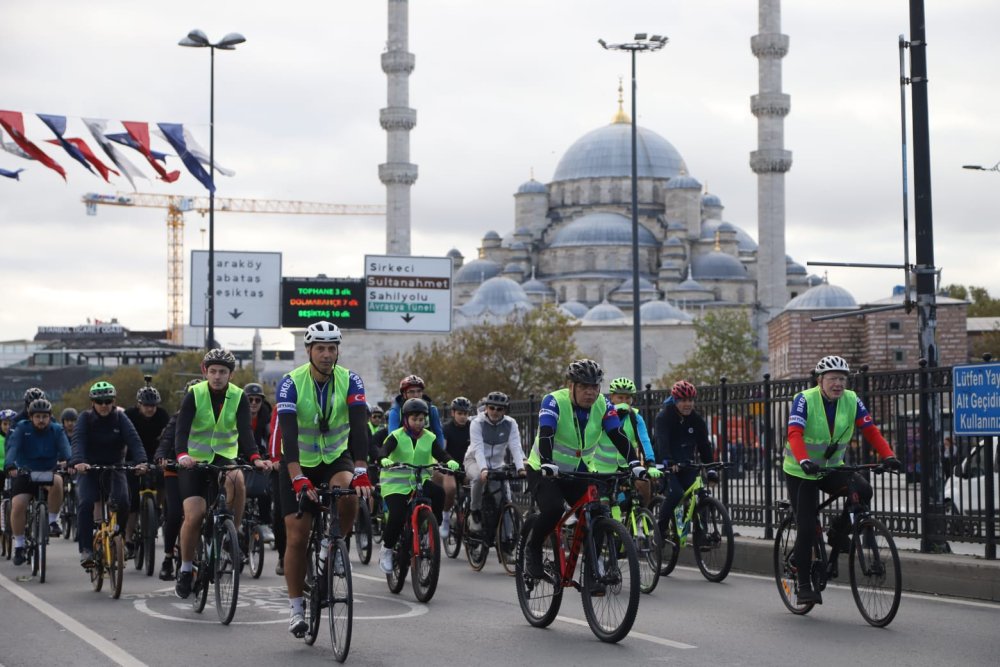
(79, 629)
(632, 635)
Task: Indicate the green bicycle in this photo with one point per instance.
(641, 526)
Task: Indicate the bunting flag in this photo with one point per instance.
(11, 174)
(13, 148)
(195, 149)
(58, 126)
(129, 170)
(84, 149)
(140, 132)
(125, 139)
(174, 134)
(13, 122)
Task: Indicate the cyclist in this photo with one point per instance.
(621, 393)
(820, 426)
(411, 443)
(277, 515)
(213, 426)
(39, 445)
(412, 386)
(149, 420)
(457, 430)
(31, 394)
(680, 432)
(68, 419)
(376, 415)
(6, 423)
(103, 436)
(323, 417)
(258, 484)
(491, 435)
(570, 423)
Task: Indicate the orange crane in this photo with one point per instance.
(178, 205)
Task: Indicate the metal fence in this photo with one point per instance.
(946, 494)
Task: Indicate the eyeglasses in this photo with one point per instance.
(498, 408)
(255, 399)
(376, 418)
(103, 401)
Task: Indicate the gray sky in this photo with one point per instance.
(501, 90)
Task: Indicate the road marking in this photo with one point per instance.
(79, 629)
(632, 635)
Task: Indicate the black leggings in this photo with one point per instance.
(804, 496)
(397, 504)
(550, 494)
(174, 513)
(277, 516)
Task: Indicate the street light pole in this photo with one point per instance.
(640, 43)
(198, 39)
(979, 167)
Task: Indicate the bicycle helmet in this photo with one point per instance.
(376, 409)
(411, 381)
(191, 383)
(148, 396)
(415, 405)
(32, 394)
(39, 405)
(68, 413)
(832, 363)
(622, 386)
(461, 403)
(585, 371)
(7, 415)
(102, 389)
(683, 389)
(253, 389)
(323, 332)
(219, 357)
(497, 399)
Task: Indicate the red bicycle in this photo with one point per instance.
(419, 546)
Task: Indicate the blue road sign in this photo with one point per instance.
(977, 399)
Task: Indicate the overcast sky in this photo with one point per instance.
(501, 90)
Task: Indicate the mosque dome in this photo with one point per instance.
(604, 313)
(601, 229)
(674, 241)
(607, 152)
(536, 286)
(513, 267)
(497, 296)
(532, 187)
(477, 271)
(573, 309)
(662, 311)
(683, 182)
(744, 241)
(491, 236)
(822, 296)
(454, 253)
(708, 199)
(793, 268)
(717, 265)
(645, 287)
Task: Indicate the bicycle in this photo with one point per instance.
(459, 517)
(109, 539)
(363, 532)
(144, 538)
(874, 571)
(253, 538)
(326, 587)
(641, 526)
(36, 527)
(500, 523)
(703, 521)
(610, 594)
(419, 545)
(6, 534)
(68, 511)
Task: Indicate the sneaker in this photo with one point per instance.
(445, 528)
(807, 595)
(338, 566)
(385, 559)
(183, 587)
(129, 550)
(266, 534)
(54, 529)
(533, 562)
(363, 540)
(475, 523)
(832, 569)
(279, 569)
(20, 558)
(86, 558)
(167, 569)
(297, 625)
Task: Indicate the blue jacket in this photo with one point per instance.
(435, 421)
(27, 447)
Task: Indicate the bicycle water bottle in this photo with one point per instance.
(682, 526)
(324, 547)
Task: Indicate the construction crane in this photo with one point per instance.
(178, 205)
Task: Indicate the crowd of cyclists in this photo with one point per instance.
(321, 430)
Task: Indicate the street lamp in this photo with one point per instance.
(979, 167)
(640, 43)
(198, 39)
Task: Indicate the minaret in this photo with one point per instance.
(397, 119)
(770, 162)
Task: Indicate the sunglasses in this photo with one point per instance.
(376, 417)
(498, 408)
(255, 399)
(103, 401)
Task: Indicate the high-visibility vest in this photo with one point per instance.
(606, 457)
(315, 446)
(211, 437)
(569, 445)
(419, 453)
(817, 434)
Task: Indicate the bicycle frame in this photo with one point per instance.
(583, 509)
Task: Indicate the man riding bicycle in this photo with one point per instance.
(491, 435)
(820, 426)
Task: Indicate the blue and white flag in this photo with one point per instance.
(174, 134)
(11, 174)
(58, 126)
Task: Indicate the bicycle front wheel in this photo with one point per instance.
(202, 577)
(41, 541)
(97, 571)
(459, 530)
(227, 571)
(785, 570)
(116, 565)
(646, 537)
(149, 523)
(67, 517)
(539, 598)
(876, 578)
(670, 550)
(508, 530)
(611, 583)
(713, 539)
(340, 599)
(426, 564)
(363, 532)
(255, 543)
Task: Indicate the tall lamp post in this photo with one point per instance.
(198, 39)
(639, 43)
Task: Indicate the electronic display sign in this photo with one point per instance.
(337, 300)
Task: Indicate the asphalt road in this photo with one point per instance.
(474, 619)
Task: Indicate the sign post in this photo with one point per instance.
(247, 289)
(405, 293)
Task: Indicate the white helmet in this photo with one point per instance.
(832, 363)
(323, 332)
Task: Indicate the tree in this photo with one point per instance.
(986, 342)
(983, 305)
(126, 379)
(527, 354)
(724, 349)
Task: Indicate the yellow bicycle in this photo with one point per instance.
(109, 540)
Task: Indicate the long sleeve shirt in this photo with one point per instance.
(106, 440)
(185, 418)
(678, 437)
(863, 421)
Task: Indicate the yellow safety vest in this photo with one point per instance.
(210, 437)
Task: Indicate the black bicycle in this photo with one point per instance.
(253, 538)
(148, 524)
(6, 534)
(363, 532)
(68, 511)
(500, 523)
(459, 518)
(874, 572)
(36, 527)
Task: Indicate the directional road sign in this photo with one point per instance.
(247, 289)
(405, 293)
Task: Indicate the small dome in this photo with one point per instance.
(574, 309)
(823, 296)
(744, 241)
(536, 286)
(604, 313)
(511, 244)
(645, 286)
(522, 231)
(532, 187)
(708, 199)
(717, 265)
(662, 311)
(676, 224)
(683, 182)
(497, 296)
(674, 241)
(601, 229)
(607, 153)
(454, 253)
(794, 268)
(491, 236)
(513, 267)
(477, 271)
(726, 227)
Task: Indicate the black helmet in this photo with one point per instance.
(39, 405)
(414, 406)
(69, 413)
(148, 396)
(497, 399)
(219, 357)
(253, 389)
(461, 403)
(585, 371)
(32, 394)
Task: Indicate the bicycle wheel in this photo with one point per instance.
(227, 571)
(670, 551)
(202, 574)
(363, 532)
(508, 530)
(6, 537)
(340, 599)
(476, 549)
(426, 563)
(116, 565)
(149, 520)
(312, 607)
(459, 529)
(97, 571)
(539, 598)
(138, 545)
(611, 584)
(400, 562)
(713, 539)
(67, 515)
(41, 541)
(876, 579)
(646, 537)
(785, 572)
(256, 546)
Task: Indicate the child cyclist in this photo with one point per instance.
(413, 444)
